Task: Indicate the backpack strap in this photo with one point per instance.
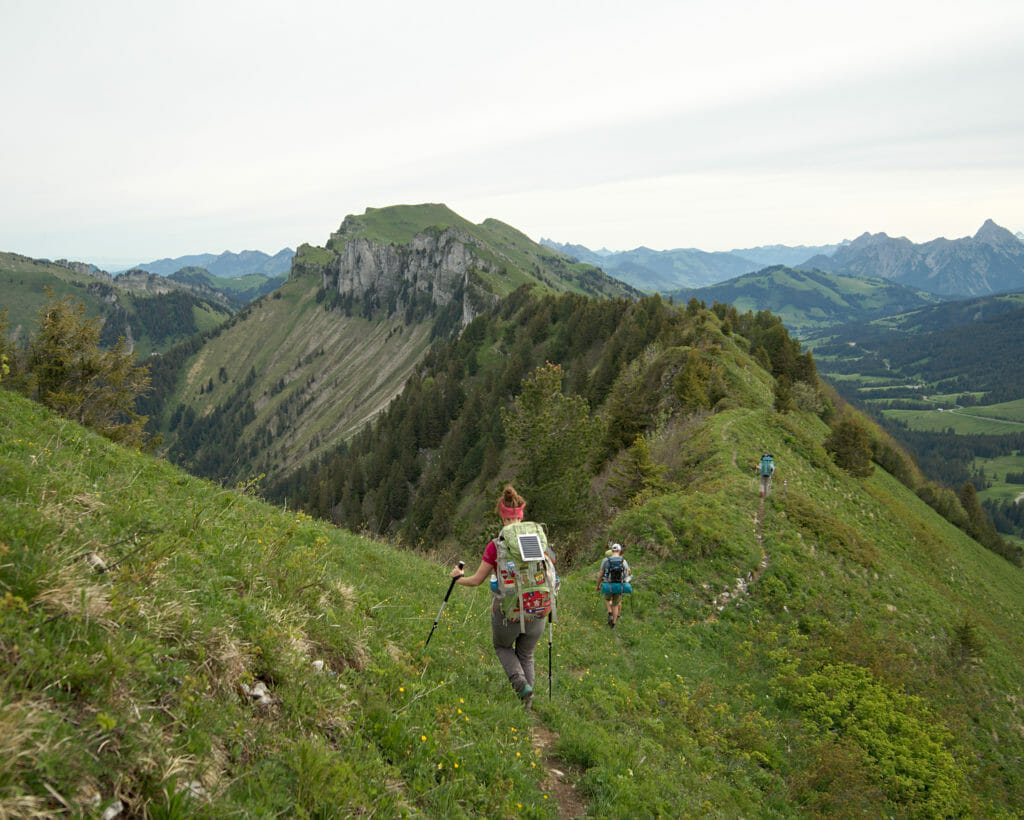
(519, 588)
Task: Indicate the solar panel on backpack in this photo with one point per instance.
(530, 547)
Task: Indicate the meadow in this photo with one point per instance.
(874, 667)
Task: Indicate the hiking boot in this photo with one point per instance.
(611, 620)
(526, 693)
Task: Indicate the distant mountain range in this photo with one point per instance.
(663, 271)
(991, 261)
(226, 265)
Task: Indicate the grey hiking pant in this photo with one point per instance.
(515, 648)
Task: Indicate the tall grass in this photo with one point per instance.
(826, 688)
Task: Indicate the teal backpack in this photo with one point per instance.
(525, 583)
(615, 581)
(767, 465)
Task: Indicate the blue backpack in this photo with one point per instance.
(767, 465)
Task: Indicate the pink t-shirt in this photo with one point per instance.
(491, 554)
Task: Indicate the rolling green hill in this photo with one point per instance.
(150, 312)
(240, 290)
(836, 649)
(810, 300)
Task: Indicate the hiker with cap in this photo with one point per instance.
(612, 579)
(522, 597)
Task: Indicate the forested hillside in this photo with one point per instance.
(583, 401)
(946, 382)
(298, 372)
(612, 371)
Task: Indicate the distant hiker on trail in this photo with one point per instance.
(765, 468)
(523, 586)
(613, 580)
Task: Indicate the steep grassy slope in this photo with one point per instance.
(834, 650)
(135, 684)
(283, 380)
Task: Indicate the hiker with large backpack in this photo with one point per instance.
(765, 468)
(613, 580)
(523, 589)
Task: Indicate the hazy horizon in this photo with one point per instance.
(139, 132)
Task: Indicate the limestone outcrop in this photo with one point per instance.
(432, 270)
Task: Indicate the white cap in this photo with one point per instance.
(616, 547)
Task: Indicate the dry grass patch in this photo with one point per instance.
(23, 742)
(71, 597)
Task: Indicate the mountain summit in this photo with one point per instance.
(992, 234)
(992, 261)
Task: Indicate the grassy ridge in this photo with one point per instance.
(24, 282)
(826, 688)
(520, 259)
(811, 301)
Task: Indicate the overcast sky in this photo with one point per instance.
(131, 131)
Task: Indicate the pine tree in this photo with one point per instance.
(850, 445)
(552, 437)
(690, 383)
(966, 646)
(637, 472)
(783, 394)
(69, 373)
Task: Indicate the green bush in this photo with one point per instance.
(903, 745)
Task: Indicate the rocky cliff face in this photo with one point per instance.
(432, 269)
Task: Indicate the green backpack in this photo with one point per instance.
(525, 582)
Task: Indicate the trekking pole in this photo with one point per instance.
(445, 601)
(551, 630)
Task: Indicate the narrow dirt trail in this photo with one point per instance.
(556, 781)
(742, 586)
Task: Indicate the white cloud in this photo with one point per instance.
(145, 130)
